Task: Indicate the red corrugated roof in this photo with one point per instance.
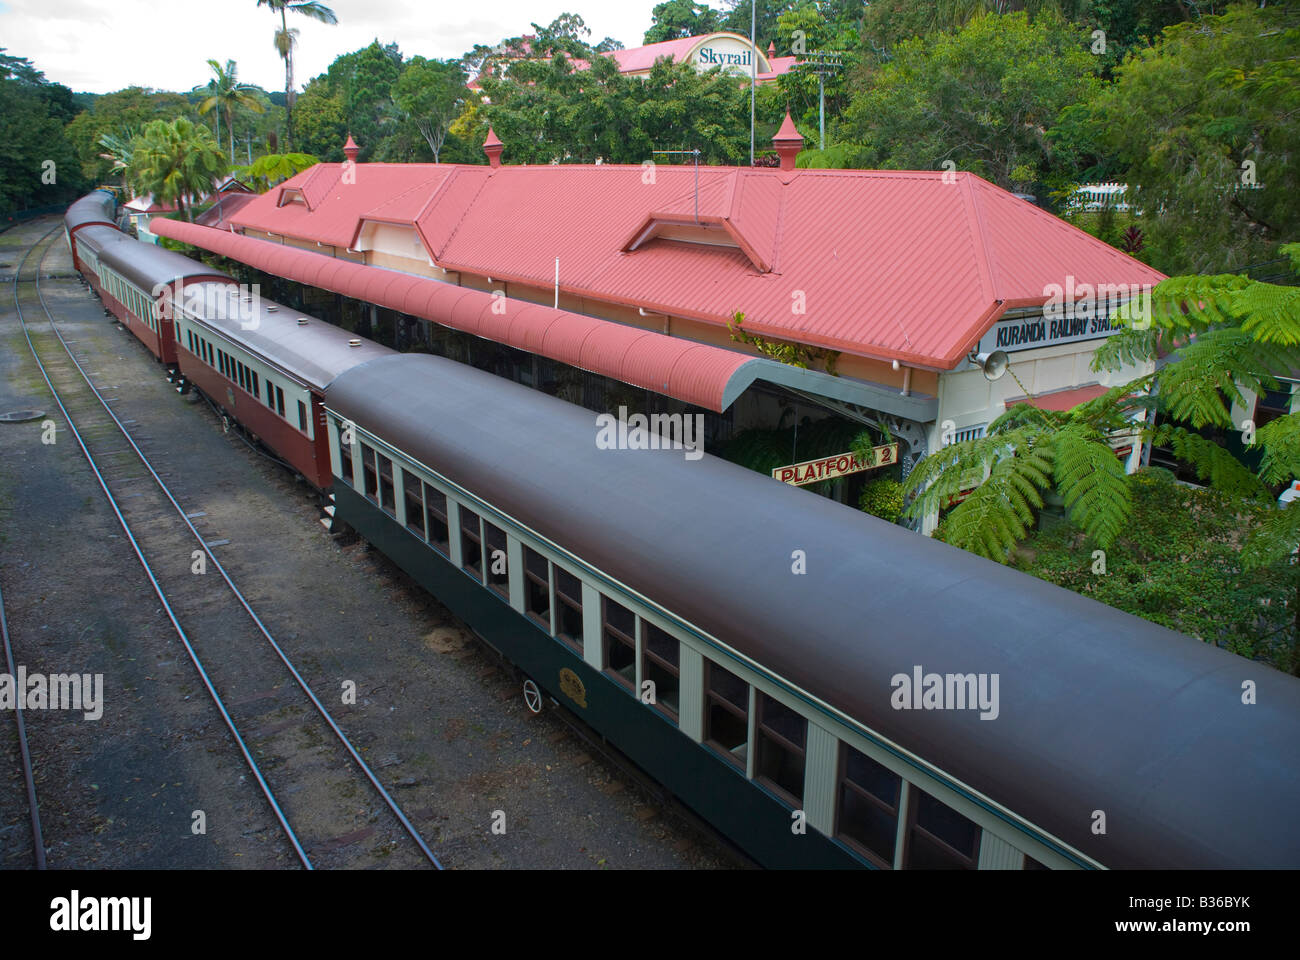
(888, 264)
(1062, 400)
(696, 373)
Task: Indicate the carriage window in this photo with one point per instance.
(345, 459)
(726, 714)
(537, 588)
(387, 491)
(782, 736)
(270, 394)
(659, 665)
(471, 544)
(568, 608)
(302, 425)
(940, 837)
(435, 515)
(620, 643)
(257, 386)
(279, 401)
(370, 484)
(867, 818)
(413, 488)
(498, 567)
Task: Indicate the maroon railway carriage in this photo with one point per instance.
(95, 208)
(138, 283)
(266, 366)
(87, 246)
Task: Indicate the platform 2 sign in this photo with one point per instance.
(839, 465)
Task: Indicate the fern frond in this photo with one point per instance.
(998, 513)
(1216, 364)
(1129, 347)
(1111, 410)
(1270, 312)
(946, 472)
(1211, 462)
(1273, 541)
(1281, 442)
(1092, 482)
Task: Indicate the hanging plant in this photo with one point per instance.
(794, 354)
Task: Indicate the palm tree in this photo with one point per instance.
(118, 149)
(226, 93)
(286, 39)
(175, 162)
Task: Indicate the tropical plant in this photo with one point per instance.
(286, 38)
(117, 150)
(883, 498)
(1231, 336)
(431, 94)
(176, 162)
(266, 171)
(225, 93)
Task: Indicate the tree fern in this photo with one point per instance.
(1211, 461)
(999, 512)
(1281, 442)
(1092, 482)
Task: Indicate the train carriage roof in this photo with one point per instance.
(1099, 710)
(149, 266)
(313, 353)
(95, 207)
(97, 236)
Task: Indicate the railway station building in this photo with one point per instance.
(916, 304)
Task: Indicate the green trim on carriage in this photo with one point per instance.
(747, 814)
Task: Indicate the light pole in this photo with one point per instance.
(753, 71)
(824, 64)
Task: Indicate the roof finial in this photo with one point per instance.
(493, 146)
(350, 149)
(788, 142)
(771, 49)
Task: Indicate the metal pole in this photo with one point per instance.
(753, 71)
(821, 109)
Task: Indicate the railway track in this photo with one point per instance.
(304, 764)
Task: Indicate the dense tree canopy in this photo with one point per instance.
(983, 98)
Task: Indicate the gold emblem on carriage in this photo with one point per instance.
(571, 686)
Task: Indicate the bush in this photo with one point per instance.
(883, 498)
(1178, 564)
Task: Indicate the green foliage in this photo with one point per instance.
(1182, 120)
(548, 112)
(177, 162)
(430, 95)
(983, 97)
(31, 139)
(120, 114)
(225, 95)
(680, 18)
(883, 498)
(1178, 562)
(783, 351)
(272, 168)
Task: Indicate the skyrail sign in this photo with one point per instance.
(828, 468)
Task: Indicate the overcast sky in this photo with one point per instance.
(104, 46)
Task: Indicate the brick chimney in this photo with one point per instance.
(493, 146)
(350, 150)
(788, 142)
